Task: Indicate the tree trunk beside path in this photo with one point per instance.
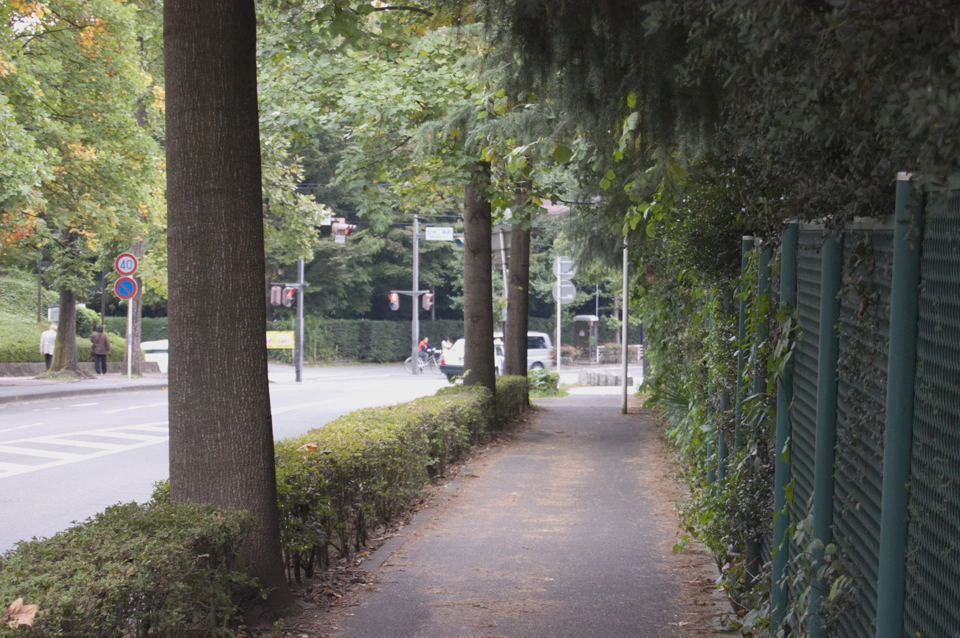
(515, 335)
(65, 352)
(478, 360)
(221, 441)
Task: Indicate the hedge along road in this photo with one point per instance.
(65, 460)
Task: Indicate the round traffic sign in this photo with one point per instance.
(125, 287)
(564, 292)
(125, 264)
(564, 268)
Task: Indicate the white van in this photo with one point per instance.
(539, 350)
(156, 351)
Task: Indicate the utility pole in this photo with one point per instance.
(415, 297)
(623, 328)
(298, 354)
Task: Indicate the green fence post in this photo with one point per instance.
(759, 387)
(722, 442)
(826, 412)
(745, 248)
(898, 425)
(781, 521)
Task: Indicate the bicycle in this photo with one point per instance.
(428, 359)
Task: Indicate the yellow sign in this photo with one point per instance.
(280, 339)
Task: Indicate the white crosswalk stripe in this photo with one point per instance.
(124, 438)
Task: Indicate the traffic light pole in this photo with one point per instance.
(415, 298)
(298, 353)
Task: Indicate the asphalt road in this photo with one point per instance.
(64, 460)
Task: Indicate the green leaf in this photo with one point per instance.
(610, 175)
(632, 100)
(562, 154)
(604, 183)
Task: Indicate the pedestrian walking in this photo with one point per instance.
(48, 342)
(445, 345)
(100, 348)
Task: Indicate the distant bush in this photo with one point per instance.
(18, 294)
(544, 383)
(160, 569)
(360, 339)
(151, 328)
(20, 342)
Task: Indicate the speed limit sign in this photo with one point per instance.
(125, 264)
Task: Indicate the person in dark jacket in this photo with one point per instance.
(100, 349)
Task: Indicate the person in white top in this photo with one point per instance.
(48, 341)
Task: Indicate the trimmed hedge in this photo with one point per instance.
(360, 339)
(337, 483)
(151, 328)
(512, 397)
(164, 569)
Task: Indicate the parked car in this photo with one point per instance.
(156, 351)
(451, 361)
(539, 350)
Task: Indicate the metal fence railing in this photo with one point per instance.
(892, 492)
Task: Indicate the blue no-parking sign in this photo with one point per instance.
(125, 287)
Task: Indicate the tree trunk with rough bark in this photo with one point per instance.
(221, 441)
(137, 249)
(65, 351)
(478, 361)
(515, 336)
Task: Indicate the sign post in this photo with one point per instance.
(564, 292)
(125, 287)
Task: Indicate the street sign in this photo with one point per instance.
(439, 233)
(564, 292)
(564, 269)
(125, 287)
(280, 339)
(125, 264)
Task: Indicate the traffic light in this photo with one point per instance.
(276, 295)
(394, 301)
(427, 301)
(340, 229)
(289, 296)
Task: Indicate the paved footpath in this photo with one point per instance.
(563, 532)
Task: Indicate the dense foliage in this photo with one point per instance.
(159, 569)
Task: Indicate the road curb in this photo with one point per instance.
(68, 393)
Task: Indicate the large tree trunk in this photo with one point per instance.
(515, 336)
(137, 301)
(478, 362)
(221, 440)
(65, 352)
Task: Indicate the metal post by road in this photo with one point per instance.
(130, 338)
(623, 340)
(415, 298)
(298, 355)
(40, 289)
(898, 425)
(559, 348)
(826, 414)
(741, 345)
(782, 474)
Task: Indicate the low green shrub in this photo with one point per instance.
(18, 293)
(151, 328)
(160, 569)
(544, 383)
(512, 397)
(337, 483)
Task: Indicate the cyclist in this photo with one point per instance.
(424, 345)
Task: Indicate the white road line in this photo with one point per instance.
(46, 454)
(21, 427)
(135, 407)
(82, 405)
(97, 449)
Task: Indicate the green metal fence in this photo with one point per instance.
(932, 607)
(904, 567)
